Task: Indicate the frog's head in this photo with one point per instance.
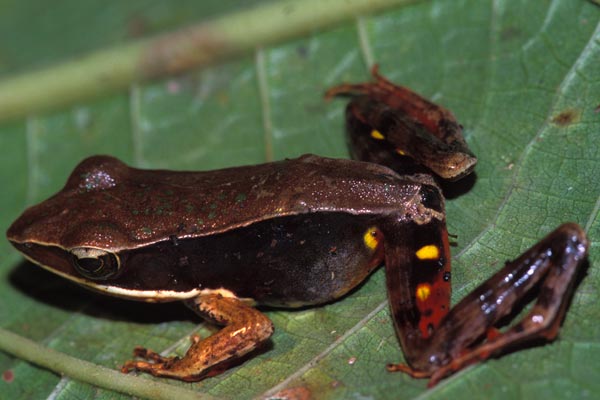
(88, 231)
(72, 233)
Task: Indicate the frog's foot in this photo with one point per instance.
(195, 338)
(151, 366)
(147, 354)
(436, 375)
(245, 328)
(408, 370)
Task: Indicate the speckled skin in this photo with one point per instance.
(109, 205)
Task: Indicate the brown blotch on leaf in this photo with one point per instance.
(181, 50)
(8, 376)
(567, 117)
(295, 393)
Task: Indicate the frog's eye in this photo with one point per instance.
(95, 263)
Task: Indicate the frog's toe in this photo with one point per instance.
(132, 365)
(164, 369)
(150, 361)
(149, 355)
(195, 338)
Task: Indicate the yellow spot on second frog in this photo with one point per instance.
(423, 291)
(370, 238)
(375, 134)
(401, 152)
(429, 252)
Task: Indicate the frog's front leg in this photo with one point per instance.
(458, 340)
(245, 328)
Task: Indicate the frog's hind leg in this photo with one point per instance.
(551, 265)
(459, 340)
(245, 328)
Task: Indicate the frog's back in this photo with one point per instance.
(147, 205)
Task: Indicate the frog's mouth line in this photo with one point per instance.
(150, 296)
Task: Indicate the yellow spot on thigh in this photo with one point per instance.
(401, 152)
(429, 252)
(423, 291)
(370, 238)
(375, 134)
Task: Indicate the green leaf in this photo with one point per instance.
(521, 77)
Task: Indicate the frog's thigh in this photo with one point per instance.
(245, 328)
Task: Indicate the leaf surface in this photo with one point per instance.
(522, 77)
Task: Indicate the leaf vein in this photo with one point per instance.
(570, 76)
(32, 128)
(364, 42)
(315, 360)
(263, 90)
(136, 124)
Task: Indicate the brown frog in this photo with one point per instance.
(301, 232)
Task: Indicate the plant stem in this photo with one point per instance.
(116, 68)
(84, 371)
